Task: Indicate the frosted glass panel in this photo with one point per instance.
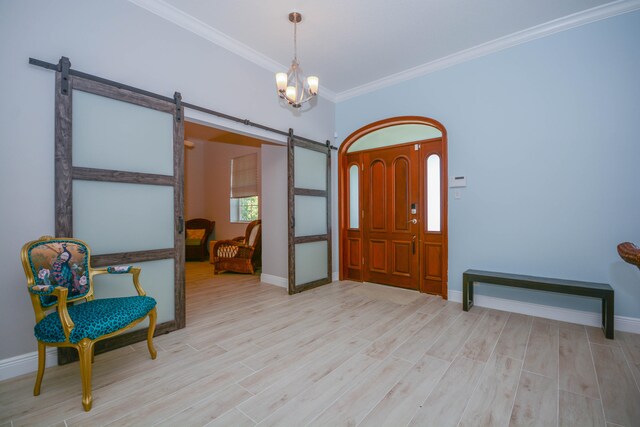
(311, 262)
(354, 197)
(114, 217)
(433, 193)
(310, 169)
(311, 216)
(393, 135)
(110, 134)
(156, 278)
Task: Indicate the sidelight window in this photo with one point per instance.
(354, 197)
(433, 192)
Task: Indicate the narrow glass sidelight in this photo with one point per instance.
(433, 193)
(354, 197)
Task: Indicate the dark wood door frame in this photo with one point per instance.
(343, 189)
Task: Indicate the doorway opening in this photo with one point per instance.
(393, 204)
(224, 204)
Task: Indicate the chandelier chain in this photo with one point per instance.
(295, 40)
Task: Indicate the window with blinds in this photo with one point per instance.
(244, 176)
(244, 203)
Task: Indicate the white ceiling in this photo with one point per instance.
(351, 43)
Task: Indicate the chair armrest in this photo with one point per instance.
(119, 269)
(41, 289)
(227, 248)
(63, 313)
(232, 249)
(122, 269)
(238, 239)
(60, 292)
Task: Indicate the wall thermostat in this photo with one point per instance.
(457, 181)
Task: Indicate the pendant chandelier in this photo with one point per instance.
(293, 87)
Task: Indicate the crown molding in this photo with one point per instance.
(557, 25)
(194, 25)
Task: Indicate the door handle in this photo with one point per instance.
(413, 245)
(413, 221)
(180, 225)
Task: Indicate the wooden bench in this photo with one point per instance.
(572, 287)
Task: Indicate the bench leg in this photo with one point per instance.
(467, 293)
(607, 316)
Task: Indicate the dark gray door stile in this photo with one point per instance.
(294, 141)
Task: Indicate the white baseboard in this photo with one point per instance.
(283, 281)
(621, 323)
(274, 280)
(25, 363)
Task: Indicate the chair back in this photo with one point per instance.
(200, 224)
(57, 262)
(253, 235)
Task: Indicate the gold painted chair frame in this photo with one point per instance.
(84, 347)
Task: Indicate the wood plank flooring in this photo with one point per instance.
(344, 354)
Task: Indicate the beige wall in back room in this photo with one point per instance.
(194, 205)
(208, 183)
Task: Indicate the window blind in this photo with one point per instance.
(244, 176)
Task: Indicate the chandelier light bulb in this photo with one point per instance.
(281, 81)
(313, 82)
(291, 94)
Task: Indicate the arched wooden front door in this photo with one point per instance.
(393, 204)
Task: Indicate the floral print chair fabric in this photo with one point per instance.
(59, 275)
(60, 263)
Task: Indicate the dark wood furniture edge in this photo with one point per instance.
(118, 341)
(603, 291)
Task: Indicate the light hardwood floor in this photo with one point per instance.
(344, 354)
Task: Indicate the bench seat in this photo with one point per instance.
(603, 291)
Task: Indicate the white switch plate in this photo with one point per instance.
(456, 194)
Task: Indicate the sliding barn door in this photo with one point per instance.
(309, 172)
(119, 187)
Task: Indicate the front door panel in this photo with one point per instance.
(390, 188)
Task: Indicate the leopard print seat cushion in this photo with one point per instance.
(94, 319)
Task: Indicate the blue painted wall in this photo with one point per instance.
(548, 135)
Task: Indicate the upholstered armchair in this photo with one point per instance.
(60, 283)
(198, 232)
(242, 254)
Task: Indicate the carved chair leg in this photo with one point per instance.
(85, 352)
(42, 359)
(152, 329)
